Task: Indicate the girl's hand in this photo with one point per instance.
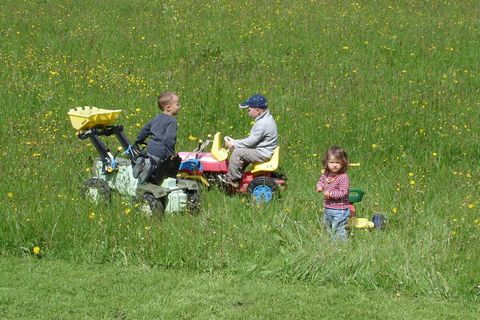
(319, 189)
(327, 194)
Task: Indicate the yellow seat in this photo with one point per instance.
(270, 165)
(88, 117)
(218, 152)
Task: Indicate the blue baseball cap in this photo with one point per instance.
(255, 101)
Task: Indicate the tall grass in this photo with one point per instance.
(395, 83)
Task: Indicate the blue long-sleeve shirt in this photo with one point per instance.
(162, 131)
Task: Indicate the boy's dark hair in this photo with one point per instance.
(338, 153)
(164, 99)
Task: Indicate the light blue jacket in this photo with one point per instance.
(263, 136)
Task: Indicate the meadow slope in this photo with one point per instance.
(396, 83)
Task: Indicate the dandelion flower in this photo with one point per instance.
(394, 210)
(374, 146)
(192, 138)
(36, 250)
(10, 194)
(412, 182)
(471, 206)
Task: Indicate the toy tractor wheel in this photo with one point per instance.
(262, 189)
(152, 206)
(193, 201)
(97, 190)
(379, 221)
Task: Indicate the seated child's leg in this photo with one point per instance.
(235, 166)
(172, 165)
(239, 159)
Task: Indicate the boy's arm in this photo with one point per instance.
(256, 135)
(144, 133)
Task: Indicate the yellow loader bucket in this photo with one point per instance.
(89, 117)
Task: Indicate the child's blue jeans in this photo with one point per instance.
(335, 221)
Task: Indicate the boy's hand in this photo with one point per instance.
(319, 189)
(327, 194)
(139, 142)
(229, 142)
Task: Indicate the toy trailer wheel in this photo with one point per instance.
(379, 221)
(193, 201)
(152, 206)
(262, 189)
(97, 190)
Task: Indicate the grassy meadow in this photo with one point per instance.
(396, 83)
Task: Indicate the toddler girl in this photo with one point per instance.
(334, 183)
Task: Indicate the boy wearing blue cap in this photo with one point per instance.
(258, 146)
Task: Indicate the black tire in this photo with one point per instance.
(193, 201)
(278, 175)
(379, 221)
(263, 189)
(152, 206)
(97, 190)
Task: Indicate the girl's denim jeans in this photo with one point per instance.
(335, 221)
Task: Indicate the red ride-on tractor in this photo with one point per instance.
(261, 180)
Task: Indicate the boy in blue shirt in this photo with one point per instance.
(162, 131)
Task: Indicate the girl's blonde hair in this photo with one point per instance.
(164, 99)
(337, 153)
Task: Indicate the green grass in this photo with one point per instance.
(394, 83)
(53, 289)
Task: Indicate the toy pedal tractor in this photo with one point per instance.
(261, 180)
(112, 173)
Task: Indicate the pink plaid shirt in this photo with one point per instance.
(338, 185)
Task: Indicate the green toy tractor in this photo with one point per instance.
(111, 173)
